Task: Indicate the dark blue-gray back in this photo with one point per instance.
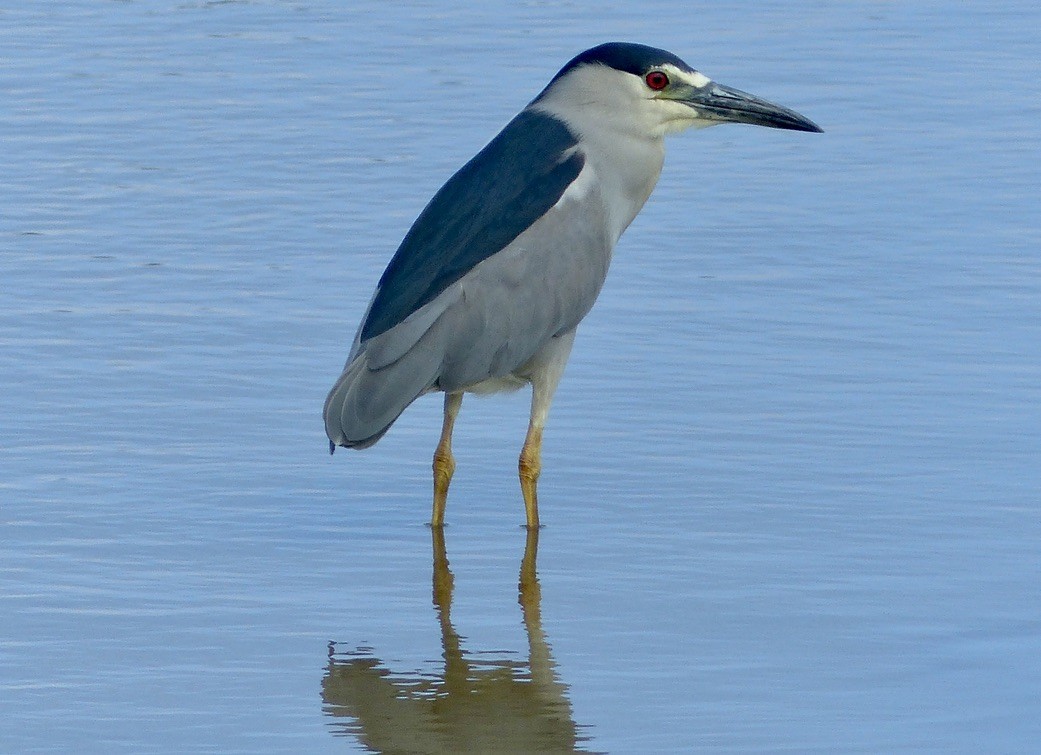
(505, 188)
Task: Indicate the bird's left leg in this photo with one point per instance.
(545, 373)
(444, 463)
(530, 466)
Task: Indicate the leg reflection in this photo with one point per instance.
(530, 594)
(475, 702)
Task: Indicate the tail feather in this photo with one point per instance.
(364, 403)
(388, 372)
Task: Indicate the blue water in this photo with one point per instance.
(792, 475)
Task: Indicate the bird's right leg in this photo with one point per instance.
(444, 463)
(546, 370)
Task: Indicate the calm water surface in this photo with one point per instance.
(792, 477)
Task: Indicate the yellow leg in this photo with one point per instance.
(546, 369)
(444, 462)
(529, 466)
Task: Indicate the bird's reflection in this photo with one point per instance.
(474, 705)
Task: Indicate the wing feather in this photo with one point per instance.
(499, 263)
(501, 192)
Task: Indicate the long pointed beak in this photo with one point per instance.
(715, 102)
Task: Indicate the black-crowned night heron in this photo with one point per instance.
(486, 290)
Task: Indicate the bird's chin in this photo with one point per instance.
(683, 124)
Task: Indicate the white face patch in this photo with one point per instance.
(694, 78)
(678, 115)
(596, 99)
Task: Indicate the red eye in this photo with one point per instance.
(656, 80)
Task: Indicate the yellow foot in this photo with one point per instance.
(444, 468)
(529, 480)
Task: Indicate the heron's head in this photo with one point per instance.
(646, 91)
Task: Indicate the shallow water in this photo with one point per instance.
(791, 478)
